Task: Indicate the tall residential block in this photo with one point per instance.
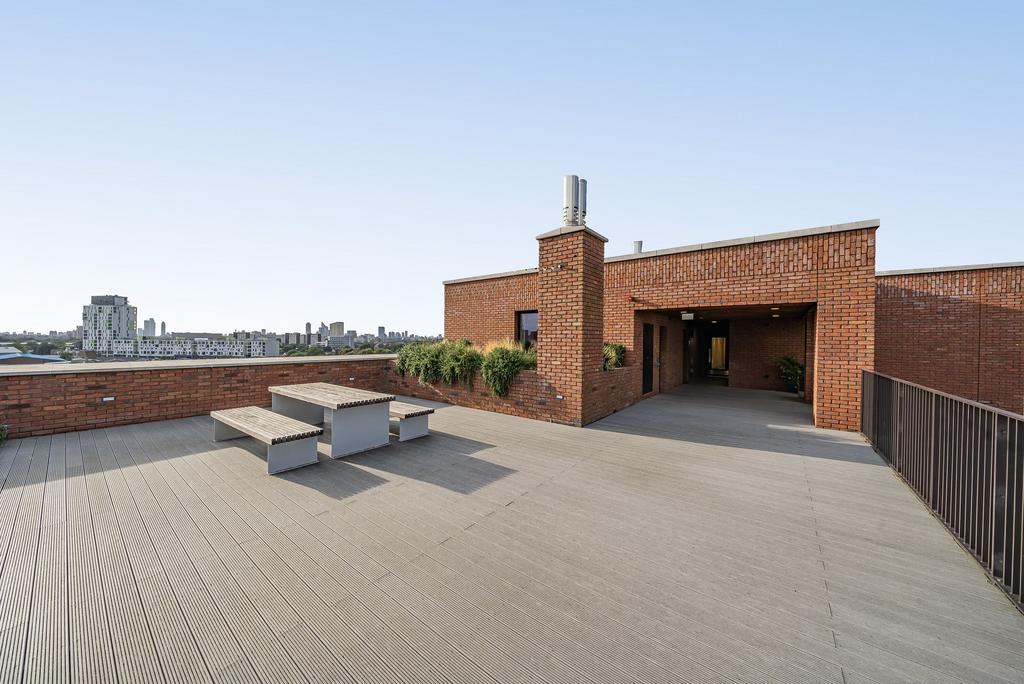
(149, 327)
(105, 319)
(337, 329)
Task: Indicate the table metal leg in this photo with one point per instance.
(299, 410)
(359, 428)
(289, 455)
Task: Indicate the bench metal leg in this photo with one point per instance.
(222, 432)
(290, 455)
(299, 410)
(411, 428)
(359, 428)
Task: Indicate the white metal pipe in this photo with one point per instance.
(583, 201)
(571, 200)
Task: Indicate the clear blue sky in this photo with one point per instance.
(248, 165)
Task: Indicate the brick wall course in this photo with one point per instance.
(960, 332)
(49, 403)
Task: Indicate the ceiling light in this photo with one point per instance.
(775, 308)
(775, 315)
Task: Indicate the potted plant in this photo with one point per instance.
(792, 373)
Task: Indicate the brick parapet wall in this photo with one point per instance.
(960, 332)
(52, 401)
(530, 395)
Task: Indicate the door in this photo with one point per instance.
(648, 370)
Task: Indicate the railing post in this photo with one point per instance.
(999, 498)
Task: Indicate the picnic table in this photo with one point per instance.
(359, 418)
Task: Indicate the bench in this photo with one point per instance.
(290, 443)
(411, 420)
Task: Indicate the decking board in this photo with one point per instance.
(700, 536)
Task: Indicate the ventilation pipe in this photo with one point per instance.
(638, 246)
(583, 201)
(571, 201)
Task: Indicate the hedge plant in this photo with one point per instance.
(502, 365)
(3, 433)
(451, 362)
(614, 355)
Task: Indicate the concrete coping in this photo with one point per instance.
(753, 239)
(945, 269)
(767, 237)
(120, 366)
(568, 230)
(503, 274)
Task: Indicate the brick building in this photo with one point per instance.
(725, 312)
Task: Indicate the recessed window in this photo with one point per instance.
(526, 328)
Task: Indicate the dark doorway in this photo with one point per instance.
(648, 365)
(707, 351)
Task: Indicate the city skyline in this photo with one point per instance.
(47, 330)
(333, 175)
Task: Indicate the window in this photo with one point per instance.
(526, 328)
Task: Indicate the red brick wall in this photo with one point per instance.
(960, 332)
(835, 270)
(757, 345)
(810, 330)
(48, 403)
(570, 314)
(483, 311)
(530, 396)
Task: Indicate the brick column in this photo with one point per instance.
(570, 323)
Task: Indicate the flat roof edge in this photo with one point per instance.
(489, 276)
(753, 239)
(948, 269)
(766, 237)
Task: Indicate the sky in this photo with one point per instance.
(257, 165)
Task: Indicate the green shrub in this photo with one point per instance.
(791, 371)
(614, 355)
(3, 433)
(450, 362)
(501, 366)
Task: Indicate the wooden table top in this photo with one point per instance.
(331, 396)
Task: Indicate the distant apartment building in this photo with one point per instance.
(381, 334)
(337, 329)
(199, 347)
(106, 319)
(149, 327)
(309, 329)
(163, 328)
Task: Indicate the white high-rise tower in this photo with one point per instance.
(107, 318)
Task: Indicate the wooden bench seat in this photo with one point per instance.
(410, 419)
(290, 443)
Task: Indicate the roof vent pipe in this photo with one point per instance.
(571, 201)
(583, 201)
(638, 246)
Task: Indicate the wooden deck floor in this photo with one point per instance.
(702, 536)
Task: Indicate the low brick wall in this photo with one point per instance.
(530, 396)
(50, 399)
(62, 399)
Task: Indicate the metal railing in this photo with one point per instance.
(964, 459)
